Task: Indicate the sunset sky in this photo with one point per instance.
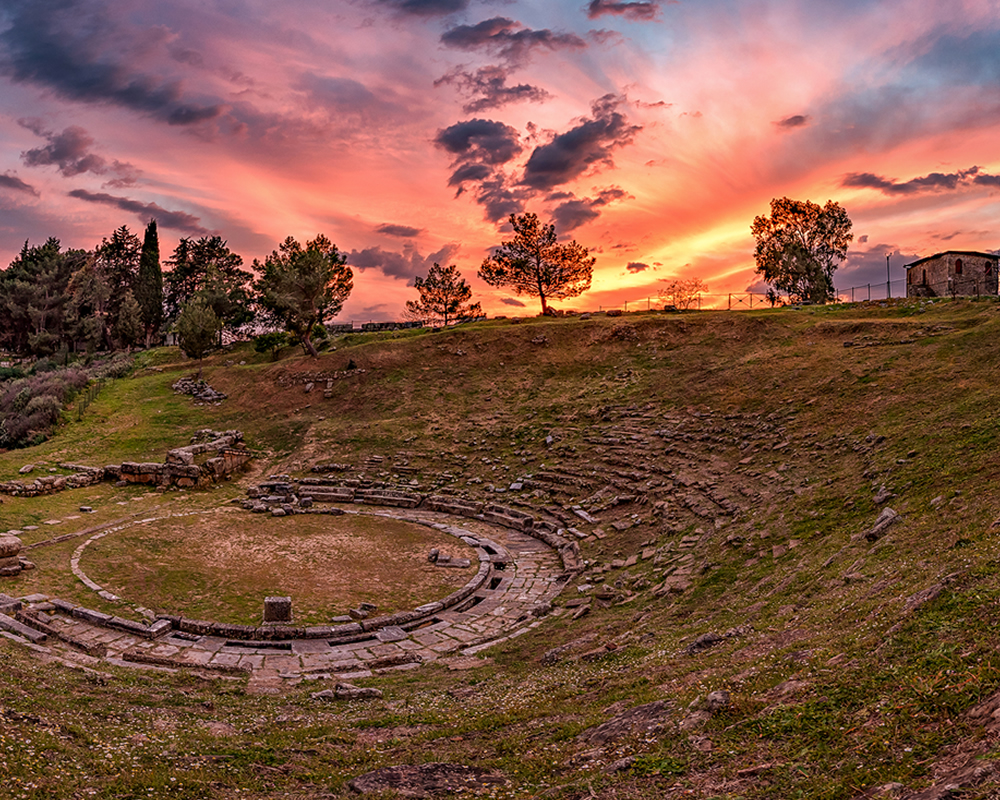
(407, 131)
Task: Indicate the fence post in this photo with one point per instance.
(730, 306)
(869, 292)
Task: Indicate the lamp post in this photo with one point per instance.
(888, 283)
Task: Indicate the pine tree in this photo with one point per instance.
(533, 262)
(129, 327)
(444, 295)
(149, 284)
(208, 268)
(197, 328)
(304, 287)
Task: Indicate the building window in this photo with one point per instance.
(958, 266)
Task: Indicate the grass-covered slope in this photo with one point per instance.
(742, 458)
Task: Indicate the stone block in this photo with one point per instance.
(160, 628)
(277, 610)
(340, 631)
(10, 546)
(91, 616)
(122, 624)
(11, 625)
(8, 605)
(392, 633)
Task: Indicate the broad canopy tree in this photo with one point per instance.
(534, 263)
(799, 247)
(304, 286)
(444, 295)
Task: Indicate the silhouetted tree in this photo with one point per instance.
(534, 263)
(681, 293)
(149, 284)
(444, 295)
(304, 287)
(800, 246)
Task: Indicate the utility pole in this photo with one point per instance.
(888, 283)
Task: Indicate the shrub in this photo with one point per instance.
(45, 407)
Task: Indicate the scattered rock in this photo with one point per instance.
(883, 495)
(648, 718)
(348, 691)
(199, 390)
(426, 780)
(694, 720)
(882, 524)
(709, 640)
(704, 642)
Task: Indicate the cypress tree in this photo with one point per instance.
(149, 286)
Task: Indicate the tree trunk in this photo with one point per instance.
(309, 346)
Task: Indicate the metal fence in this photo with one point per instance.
(959, 286)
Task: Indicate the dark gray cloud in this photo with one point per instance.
(983, 179)
(175, 220)
(405, 265)
(576, 212)
(402, 231)
(76, 49)
(636, 266)
(69, 152)
(480, 148)
(638, 10)
(427, 8)
(482, 141)
(508, 38)
(8, 181)
(794, 121)
(935, 181)
(512, 301)
(488, 88)
(590, 143)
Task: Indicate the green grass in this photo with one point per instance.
(882, 696)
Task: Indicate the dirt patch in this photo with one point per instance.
(220, 566)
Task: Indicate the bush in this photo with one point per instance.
(270, 342)
(44, 365)
(31, 406)
(45, 407)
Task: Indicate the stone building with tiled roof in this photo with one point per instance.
(953, 273)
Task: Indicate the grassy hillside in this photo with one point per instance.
(741, 457)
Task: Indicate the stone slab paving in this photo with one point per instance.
(529, 579)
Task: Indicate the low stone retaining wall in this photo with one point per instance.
(179, 469)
